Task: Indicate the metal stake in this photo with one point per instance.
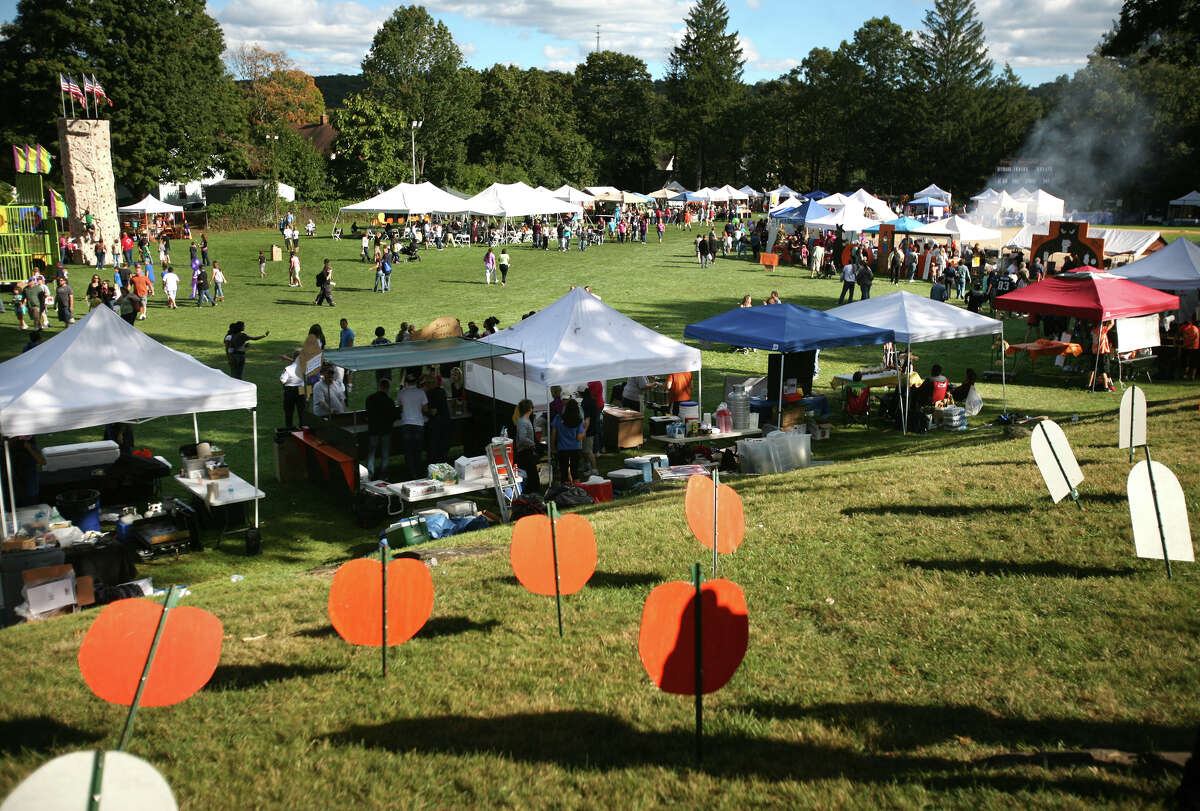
(699, 665)
(1162, 534)
(552, 512)
(716, 477)
(383, 558)
(169, 602)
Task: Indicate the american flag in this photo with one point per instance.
(88, 87)
(62, 84)
(98, 91)
(73, 89)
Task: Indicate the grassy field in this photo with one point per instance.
(920, 611)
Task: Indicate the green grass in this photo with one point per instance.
(916, 608)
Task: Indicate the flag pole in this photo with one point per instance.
(61, 96)
(69, 80)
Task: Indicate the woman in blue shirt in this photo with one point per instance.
(566, 437)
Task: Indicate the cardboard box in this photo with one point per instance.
(18, 543)
(824, 429)
(793, 415)
(52, 589)
(622, 428)
(472, 468)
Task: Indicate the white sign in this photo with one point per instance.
(1137, 333)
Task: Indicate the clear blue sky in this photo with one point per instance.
(1039, 38)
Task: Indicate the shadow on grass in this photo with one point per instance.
(241, 677)
(624, 580)
(1001, 568)
(40, 733)
(320, 632)
(452, 626)
(889, 726)
(936, 511)
(592, 741)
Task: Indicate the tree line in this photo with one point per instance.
(887, 109)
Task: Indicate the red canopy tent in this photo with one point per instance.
(1089, 293)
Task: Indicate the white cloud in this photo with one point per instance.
(566, 66)
(755, 4)
(749, 52)
(468, 48)
(557, 52)
(776, 67)
(1045, 33)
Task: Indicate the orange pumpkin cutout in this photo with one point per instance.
(113, 654)
(667, 641)
(731, 520)
(356, 600)
(533, 557)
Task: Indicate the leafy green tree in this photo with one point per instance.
(297, 163)
(1165, 30)
(615, 99)
(372, 147)
(415, 66)
(159, 62)
(704, 73)
(530, 123)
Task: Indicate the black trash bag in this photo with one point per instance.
(569, 495)
(729, 459)
(527, 504)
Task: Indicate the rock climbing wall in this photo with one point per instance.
(86, 153)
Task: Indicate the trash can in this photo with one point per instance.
(81, 508)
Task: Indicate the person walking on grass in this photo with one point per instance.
(504, 262)
(218, 280)
(202, 288)
(170, 282)
(294, 270)
(489, 267)
(262, 265)
(325, 286)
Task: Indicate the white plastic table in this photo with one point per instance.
(242, 491)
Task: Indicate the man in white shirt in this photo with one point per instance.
(329, 395)
(848, 278)
(631, 395)
(414, 405)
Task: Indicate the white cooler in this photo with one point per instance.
(81, 454)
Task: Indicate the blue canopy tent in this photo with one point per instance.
(817, 194)
(798, 215)
(904, 225)
(687, 197)
(785, 328)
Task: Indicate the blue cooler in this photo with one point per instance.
(643, 464)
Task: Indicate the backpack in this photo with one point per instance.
(387, 267)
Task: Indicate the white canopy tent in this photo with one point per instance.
(790, 202)
(960, 227)
(934, 192)
(575, 340)
(749, 191)
(104, 370)
(150, 205)
(917, 319)
(784, 191)
(834, 202)
(1022, 195)
(1041, 206)
(733, 194)
(573, 195)
(988, 195)
(1190, 199)
(873, 204)
(1175, 267)
(1116, 240)
(990, 210)
(596, 191)
(517, 200)
(850, 217)
(410, 198)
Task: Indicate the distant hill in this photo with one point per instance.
(337, 86)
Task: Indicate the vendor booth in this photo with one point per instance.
(409, 198)
(1175, 267)
(787, 329)
(149, 208)
(103, 371)
(917, 319)
(1091, 294)
(961, 228)
(1117, 241)
(570, 342)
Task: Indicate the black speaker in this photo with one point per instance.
(798, 365)
(253, 542)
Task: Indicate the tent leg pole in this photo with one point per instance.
(195, 427)
(524, 380)
(1003, 372)
(3, 512)
(12, 493)
(492, 363)
(782, 363)
(254, 432)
